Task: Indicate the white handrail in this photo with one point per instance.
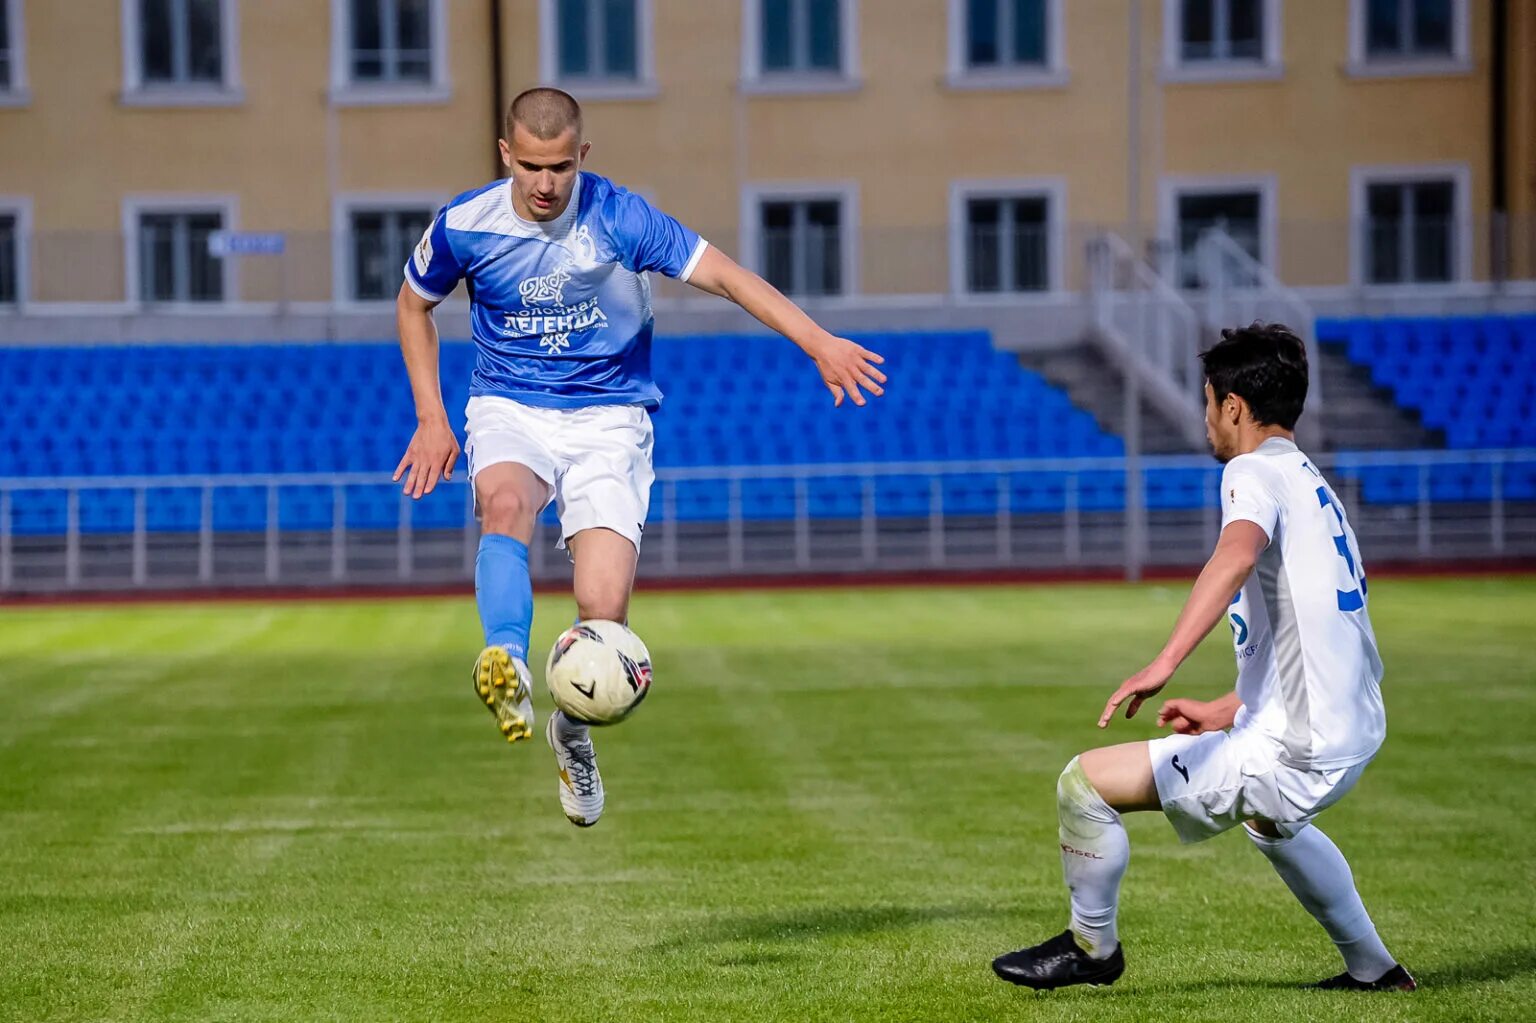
(1217, 253)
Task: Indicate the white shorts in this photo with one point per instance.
(1212, 782)
(597, 460)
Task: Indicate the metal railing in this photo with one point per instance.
(1042, 514)
(1236, 289)
(1149, 328)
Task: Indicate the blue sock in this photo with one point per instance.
(504, 592)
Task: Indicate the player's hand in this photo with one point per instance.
(845, 367)
(1195, 717)
(1139, 688)
(430, 457)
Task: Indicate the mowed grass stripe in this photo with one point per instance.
(836, 805)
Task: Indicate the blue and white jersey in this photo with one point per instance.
(560, 310)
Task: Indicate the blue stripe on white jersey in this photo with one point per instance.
(560, 310)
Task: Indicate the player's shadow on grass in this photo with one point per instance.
(816, 924)
(1503, 964)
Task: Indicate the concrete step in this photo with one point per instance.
(1358, 415)
(1096, 386)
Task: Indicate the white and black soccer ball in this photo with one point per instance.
(598, 672)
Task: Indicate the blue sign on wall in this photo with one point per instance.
(245, 243)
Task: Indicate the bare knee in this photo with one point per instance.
(505, 509)
(1122, 775)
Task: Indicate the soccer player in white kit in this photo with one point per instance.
(1306, 716)
(556, 261)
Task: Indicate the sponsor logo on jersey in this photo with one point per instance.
(554, 326)
(423, 254)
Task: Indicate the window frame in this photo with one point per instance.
(1053, 190)
(20, 206)
(643, 86)
(136, 205)
(1268, 67)
(1052, 74)
(1363, 65)
(343, 206)
(1174, 187)
(347, 92)
(17, 94)
(755, 81)
(1362, 177)
(754, 194)
(136, 92)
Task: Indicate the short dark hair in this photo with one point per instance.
(547, 113)
(1265, 364)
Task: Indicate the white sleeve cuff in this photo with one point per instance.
(693, 261)
(410, 278)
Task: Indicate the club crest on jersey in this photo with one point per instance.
(548, 289)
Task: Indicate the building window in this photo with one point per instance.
(389, 51)
(1408, 28)
(599, 39)
(800, 35)
(175, 261)
(13, 77)
(10, 258)
(379, 241)
(1007, 244)
(801, 243)
(1390, 37)
(1221, 30)
(1005, 43)
(180, 50)
(180, 42)
(800, 45)
(1411, 232)
(391, 40)
(1238, 212)
(1006, 33)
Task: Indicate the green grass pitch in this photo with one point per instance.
(835, 805)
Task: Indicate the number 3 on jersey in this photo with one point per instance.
(1352, 599)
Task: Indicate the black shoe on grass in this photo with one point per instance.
(1395, 979)
(1059, 962)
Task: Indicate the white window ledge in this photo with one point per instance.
(1197, 71)
(182, 96)
(389, 94)
(607, 89)
(984, 299)
(1409, 67)
(982, 80)
(800, 84)
(15, 97)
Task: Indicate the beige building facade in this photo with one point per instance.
(220, 153)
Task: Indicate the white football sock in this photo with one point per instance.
(1318, 875)
(1094, 855)
(567, 729)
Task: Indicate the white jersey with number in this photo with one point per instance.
(1308, 671)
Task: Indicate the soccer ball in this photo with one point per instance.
(598, 672)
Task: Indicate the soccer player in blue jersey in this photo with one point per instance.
(556, 263)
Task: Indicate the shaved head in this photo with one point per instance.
(544, 113)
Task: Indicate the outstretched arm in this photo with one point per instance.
(845, 367)
(433, 448)
(1236, 553)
